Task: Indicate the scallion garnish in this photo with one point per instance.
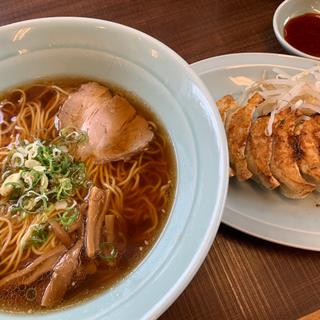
(111, 254)
(70, 135)
(39, 235)
(37, 175)
(68, 217)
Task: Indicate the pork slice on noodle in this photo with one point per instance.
(62, 276)
(115, 130)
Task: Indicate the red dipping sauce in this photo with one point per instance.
(303, 33)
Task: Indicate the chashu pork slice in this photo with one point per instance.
(259, 152)
(308, 133)
(115, 130)
(238, 125)
(62, 275)
(285, 152)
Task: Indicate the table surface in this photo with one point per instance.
(242, 277)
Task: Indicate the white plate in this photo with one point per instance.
(265, 214)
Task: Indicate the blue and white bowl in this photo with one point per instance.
(115, 53)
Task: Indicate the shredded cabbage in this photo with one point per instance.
(299, 91)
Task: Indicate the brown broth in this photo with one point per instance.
(15, 301)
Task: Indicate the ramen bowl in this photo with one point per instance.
(80, 47)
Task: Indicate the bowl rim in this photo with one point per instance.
(280, 37)
(215, 219)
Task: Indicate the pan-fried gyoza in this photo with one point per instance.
(274, 132)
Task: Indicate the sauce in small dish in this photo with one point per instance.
(303, 33)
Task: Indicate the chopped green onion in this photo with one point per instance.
(67, 218)
(113, 252)
(65, 188)
(70, 135)
(15, 185)
(16, 189)
(48, 171)
(39, 235)
(17, 159)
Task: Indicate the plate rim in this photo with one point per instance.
(242, 222)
